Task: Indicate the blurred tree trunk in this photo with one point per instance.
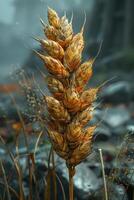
(106, 33)
(128, 24)
(111, 21)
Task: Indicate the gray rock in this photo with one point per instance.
(118, 193)
(119, 92)
(119, 131)
(115, 192)
(102, 133)
(130, 128)
(115, 117)
(85, 181)
(2, 152)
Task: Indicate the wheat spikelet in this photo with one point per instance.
(56, 109)
(70, 107)
(83, 74)
(84, 116)
(53, 18)
(50, 32)
(56, 87)
(52, 48)
(73, 55)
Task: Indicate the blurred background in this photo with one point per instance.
(109, 29)
(108, 22)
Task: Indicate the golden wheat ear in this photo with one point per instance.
(70, 107)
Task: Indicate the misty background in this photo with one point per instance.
(108, 23)
(19, 22)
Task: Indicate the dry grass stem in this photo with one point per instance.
(103, 174)
(5, 181)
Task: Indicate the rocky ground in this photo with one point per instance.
(115, 136)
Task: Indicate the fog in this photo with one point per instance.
(19, 22)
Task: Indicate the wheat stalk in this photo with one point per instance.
(70, 106)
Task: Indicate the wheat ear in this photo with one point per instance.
(70, 106)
